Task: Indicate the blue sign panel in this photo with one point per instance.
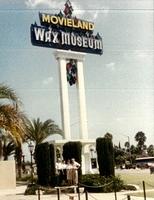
(66, 32)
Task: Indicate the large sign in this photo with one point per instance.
(62, 31)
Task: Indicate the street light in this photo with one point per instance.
(31, 149)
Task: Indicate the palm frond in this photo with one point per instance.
(38, 131)
(8, 148)
(13, 121)
(8, 93)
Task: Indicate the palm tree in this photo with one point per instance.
(140, 139)
(8, 93)
(38, 131)
(8, 148)
(12, 120)
(127, 145)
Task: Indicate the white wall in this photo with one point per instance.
(7, 174)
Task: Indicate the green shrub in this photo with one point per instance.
(73, 150)
(97, 183)
(42, 158)
(129, 187)
(105, 156)
(92, 183)
(52, 165)
(31, 189)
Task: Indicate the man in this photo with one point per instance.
(59, 171)
(75, 167)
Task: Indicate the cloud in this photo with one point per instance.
(79, 10)
(47, 3)
(52, 4)
(119, 119)
(48, 80)
(95, 15)
(111, 66)
(141, 54)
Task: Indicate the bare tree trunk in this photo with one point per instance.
(19, 160)
(1, 149)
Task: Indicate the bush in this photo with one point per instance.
(31, 189)
(43, 162)
(129, 187)
(73, 150)
(97, 183)
(52, 165)
(105, 155)
(92, 183)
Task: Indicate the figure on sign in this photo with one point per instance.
(68, 9)
(71, 68)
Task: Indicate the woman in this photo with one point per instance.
(69, 168)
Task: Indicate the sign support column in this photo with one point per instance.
(65, 114)
(82, 101)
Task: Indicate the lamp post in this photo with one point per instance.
(31, 149)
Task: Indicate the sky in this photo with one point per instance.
(119, 84)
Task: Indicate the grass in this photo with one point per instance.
(136, 177)
(149, 194)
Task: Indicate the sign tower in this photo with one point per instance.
(73, 38)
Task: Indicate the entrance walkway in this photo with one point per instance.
(18, 194)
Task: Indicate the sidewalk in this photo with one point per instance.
(18, 194)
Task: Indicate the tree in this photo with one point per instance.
(11, 119)
(8, 93)
(150, 150)
(109, 136)
(73, 150)
(8, 148)
(105, 155)
(127, 145)
(133, 149)
(38, 131)
(120, 156)
(45, 162)
(140, 139)
(18, 157)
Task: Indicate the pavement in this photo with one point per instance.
(18, 194)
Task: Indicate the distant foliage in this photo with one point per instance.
(105, 155)
(140, 139)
